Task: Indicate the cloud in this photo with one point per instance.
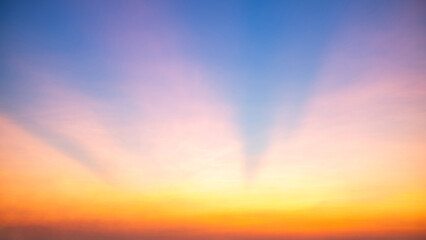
(362, 135)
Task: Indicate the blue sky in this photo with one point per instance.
(264, 55)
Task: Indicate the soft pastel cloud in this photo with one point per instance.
(360, 144)
(162, 120)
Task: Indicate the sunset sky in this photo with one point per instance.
(212, 119)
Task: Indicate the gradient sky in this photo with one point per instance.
(213, 119)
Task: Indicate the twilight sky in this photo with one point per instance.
(212, 119)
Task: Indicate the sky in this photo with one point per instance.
(212, 119)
